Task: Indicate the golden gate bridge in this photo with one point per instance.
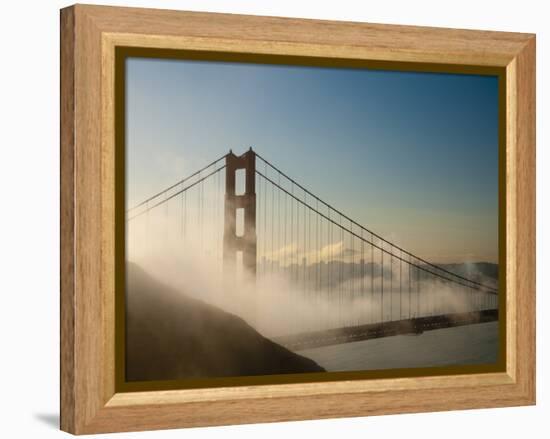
(244, 213)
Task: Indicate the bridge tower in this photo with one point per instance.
(246, 201)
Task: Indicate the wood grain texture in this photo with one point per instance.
(525, 219)
(89, 36)
(67, 135)
(511, 213)
(90, 312)
(373, 41)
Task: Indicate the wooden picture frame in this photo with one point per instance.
(90, 36)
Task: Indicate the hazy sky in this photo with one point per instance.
(412, 156)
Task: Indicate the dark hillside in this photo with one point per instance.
(172, 336)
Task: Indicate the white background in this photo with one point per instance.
(29, 216)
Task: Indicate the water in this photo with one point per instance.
(472, 344)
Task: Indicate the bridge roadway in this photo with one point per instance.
(307, 340)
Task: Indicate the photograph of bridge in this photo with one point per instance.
(292, 219)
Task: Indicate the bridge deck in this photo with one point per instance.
(307, 340)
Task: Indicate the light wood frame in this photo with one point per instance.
(89, 35)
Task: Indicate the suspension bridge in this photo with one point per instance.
(316, 275)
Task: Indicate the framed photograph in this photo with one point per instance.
(268, 219)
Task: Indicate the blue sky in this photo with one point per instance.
(412, 156)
